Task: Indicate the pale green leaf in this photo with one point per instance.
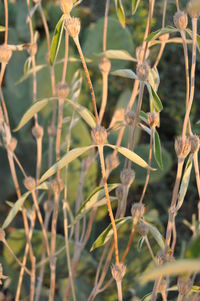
(127, 73)
(2, 28)
(135, 4)
(157, 149)
(157, 102)
(56, 40)
(156, 34)
(69, 157)
(120, 12)
(29, 73)
(156, 235)
(119, 55)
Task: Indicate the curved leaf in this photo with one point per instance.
(156, 34)
(156, 234)
(119, 55)
(135, 4)
(120, 12)
(157, 149)
(125, 73)
(157, 102)
(56, 40)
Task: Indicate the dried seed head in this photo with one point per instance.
(182, 147)
(163, 285)
(51, 130)
(180, 20)
(66, 6)
(153, 119)
(119, 192)
(127, 176)
(194, 141)
(62, 90)
(140, 54)
(29, 183)
(2, 235)
(143, 71)
(32, 49)
(130, 117)
(99, 135)
(112, 162)
(118, 271)
(164, 37)
(184, 284)
(57, 185)
(48, 206)
(5, 54)
(73, 26)
(104, 65)
(37, 131)
(143, 229)
(137, 211)
(193, 8)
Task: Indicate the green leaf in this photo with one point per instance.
(174, 268)
(135, 4)
(118, 55)
(94, 199)
(157, 101)
(130, 155)
(143, 116)
(157, 149)
(27, 65)
(184, 182)
(156, 234)
(125, 73)
(69, 157)
(2, 28)
(156, 34)
(29, 73)
(120, 12)
(56, 40)
(108, 233)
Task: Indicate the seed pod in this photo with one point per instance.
(142, 71)
(73, 26)
(2, 235)
(194, 141)
(62, 90)
(48, 206)
(143, 229)
(182, 147)
(112, 161)
(51, 130)
(127, 176)
(32, 49)
(29, 183)
(105, 65)
(180, 20)
(37, 131)
(137, 211)
(118, 271)
(153, 119)
(119, 192)
(140, 54)
(193, 9)
(164, 37)
(66, 6)
(57, 185)
(5, 54)
(184, 284)
(99, 135)
(130, 117)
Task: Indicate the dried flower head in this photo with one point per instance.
(194, 141)
(180, 20)
(127, 176)
(112, 162)
(5, 54)
(2, 276)
(182, 147)
(99, 135)
(66, 6)
(130, 117)
(2, 235)
(119, 191)
(32, 49)
(184, 284)
(48, 206)
(118, 271)
(153, 119)
(37, 131)
(51, 130)
(73, 26)
(143, 71)
(193, 8)
(104, 65)
(140, 54)
(62, 90)
(143, 229)
(29, 183)
(137, 211)
(164, 37)
(57, 185)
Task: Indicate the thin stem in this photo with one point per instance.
(66, 56)
(164, 13)
(149, 248)
(129, 244)
(105, 29)
(119, 290)
(6, 21)
(104, 95)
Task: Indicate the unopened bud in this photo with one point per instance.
(194, 141)
(143, 229)
(2, 234)
(99, 135)
(182, 147)
(137, 211)
(184, 284)
(153, 119)
(51, 130)
(180, 20)
(143, 71)
(73, 26)
(104, 65)
(112, 161)
(29, 183)
(66, 6)
(130, 117)
(127, 176)
(37, 131)
(62, 90)
(118, 271)
(5, 54)
(119, 192)
(48, 206)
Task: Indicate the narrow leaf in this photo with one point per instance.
(157, 102)
(119, 55)
(157, 149)
(56, 40)
(135, 4)
(156, 235)
(156, 34)
(125, 73)
(130, 155)
(69, 157)
(120, 12)
(29, 73)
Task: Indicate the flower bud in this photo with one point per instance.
(118, 271)
(112, 161)
(142, 71)
(184, 285)
(143, 229)
(62, 90)
(73, 26)
(153, 119)
(137, 211)
(37, 131)
(180, 20)
(104, 65)
(127, 176)
(5, 54)
(66, 6)
(130, 117)
(2, 234)
(99, 135)
(119, 192)
(182, 147)
(194, 141)
(29, 183)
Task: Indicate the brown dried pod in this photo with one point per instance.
(184, 285)
(164, 37)
(51, 130)
(143, 229)
(73, 26)
(119, 191)
(180, 20)
(140, 54)
(2, 235)
(137, 211)
(62, 90)
(142, 71)
(127, 176)
(48, 206)
(29, 183)
(112, 161)
(193, 8)
(37, 131)
(105, 65)
(130, 117)
(182, 147)
(5, 54)
(153, 119)
(194, 141)
(66, 6)
(99, 135)
(118, 271)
